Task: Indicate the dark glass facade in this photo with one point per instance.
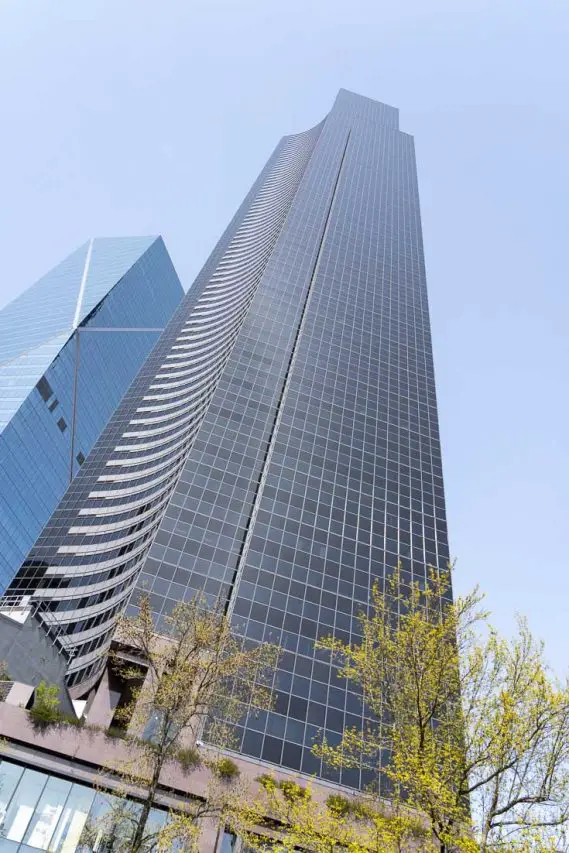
(69, 348)
(318, 465)
(281, 444)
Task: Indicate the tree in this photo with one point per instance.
(475, 726)
(200, 677)
(45, 709)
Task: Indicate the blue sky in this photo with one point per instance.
(138, 117)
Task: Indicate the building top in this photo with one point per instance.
(361, 107)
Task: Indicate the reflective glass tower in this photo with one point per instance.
(70, 346)
(280, 447)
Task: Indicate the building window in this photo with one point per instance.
(43, 812)
(45, 389)
(231, 844)
(62, 424)
(228, 843)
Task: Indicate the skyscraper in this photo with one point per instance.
(70, 346)
(280, 447)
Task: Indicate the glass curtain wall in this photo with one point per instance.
(43, 812)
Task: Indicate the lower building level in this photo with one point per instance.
(58, 792)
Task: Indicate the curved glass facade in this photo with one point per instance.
(69, 348)
(280, 447)
(84, 567)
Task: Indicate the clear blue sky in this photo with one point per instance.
(142, 117)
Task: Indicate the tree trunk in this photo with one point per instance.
(487, 826)
(147, 805)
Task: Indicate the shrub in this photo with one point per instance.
(70, 720)
(116, 732)
(225, 768)
(45, 709)
(293, 792)
(267, 781)
(189, 758)
(4, 672)
(339, 805)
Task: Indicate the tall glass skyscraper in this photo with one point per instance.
(280, 447)
(70, 346)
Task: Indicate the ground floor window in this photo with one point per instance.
(231, 844)
(43, 812)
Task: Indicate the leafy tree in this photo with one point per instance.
(200, 677)
(224, 768)
(45, 709)
(475, 726)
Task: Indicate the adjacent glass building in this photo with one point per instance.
(280, 446)
(69, 348)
